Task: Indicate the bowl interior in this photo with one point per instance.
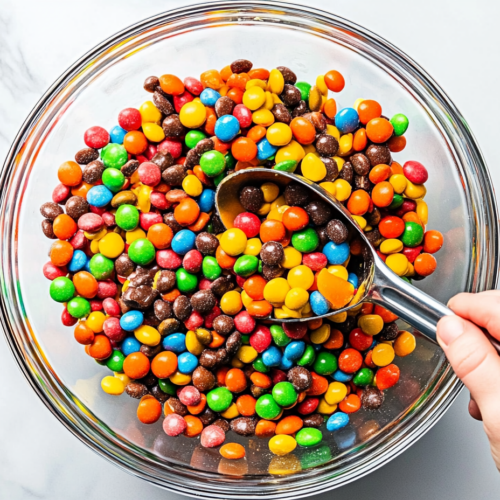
(110, 80)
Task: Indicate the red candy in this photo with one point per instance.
(173, 146)
(249, 223)
(113, 330)
(60, 193)
(192, 261)
(159, 201)
(211, 436)
(168, 259)
(52, 272)
(261, 338)
(106, 289)
(412, 253)
(96, 305)
(278, 376)
(308, 406)
(111, 307)
(174, 425)
(149, 173)
(146, 220)
(209, 318)
(387, 376)
(194, 321)
(67, 319)
(244, 323)
(294, 330)
(189, 395)
(350, 360)
(243, 115)
(360, 340)
(415, 172)
(130, 119)
(391, 226)
(90, 222)
(96, 137)
(193, 85)
(315, 261)
(407, 206)
(109, 219)
(180, 100)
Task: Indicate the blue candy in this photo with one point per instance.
(353, 279)
(347, 120)
(286, 363)
(345, 438)
(272, 356)
(227, 128)
(337, 421)
(336, 254)
(183, 241)
(319, 304)
(99, 196)
(317, 347)
(340, 376)
(131, 320)
(187, 362)
(78, 261)
(130, 345)
(86, 267)
(265, 149)
(209, 97)
(175, 343)
(117, 134)
(294, 350)
(206, 200)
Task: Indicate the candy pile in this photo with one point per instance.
(173, 304)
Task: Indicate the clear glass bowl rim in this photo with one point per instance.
(483, 275)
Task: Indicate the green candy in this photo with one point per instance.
(101, 267)
(167, 386)
(113, 179)
(266, 407)
(305, 241)
(218, 179)
(210, 268)
(219, 399)
(186, 282)
(304, 88)
(230, 160)
(193, 137)
(280, 338)
(78, 307)
(246, 265)
(142, 252)
(404, 278)
(284, 394)
(245, 339)
(325, 364)
(396, 202)
(412, 235)
(114, 156)
(210, 228)
(260, 267)
(127, 217)
(286, 166)
(308, 357)
(212, 163)
(308, 436)
(363, 377)
(62, 289)
(319, 456)
(260, 366)
(115, 361)
(400, 123)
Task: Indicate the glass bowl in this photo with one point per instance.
(185, 42)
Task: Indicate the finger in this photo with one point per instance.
(474, 410)
(483, 309)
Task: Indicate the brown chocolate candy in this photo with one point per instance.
(347, 172)
(163, 309)
(271, 272)
(51, 210)
(124, 265)
(360, 163)
(48, 229)
(177, 407)
(257, 392)
(204, 145)
(372, 398)
(233, 343)
(208, 358)
(86, 155)
(203, 301)
(223, 324)
(166, 281)
(288, 75)
(136, 390)
(159, 394)
(224, 106)
(296, 195)
(251, 198)
(272, 253)
(389, 332)
(207, 416)
(163, 159)
(319, 212)
(140, 297)
(281, 113)
(373, 217)
(203, 379)
(337, 231)
(164, 105)
(332, 169)
(171, 222)
(317, 119)
(76, 206)
(223, 424)
(173, 127)
(326, 145)
(151, 83)
(300, 110)
(291, 95)
(168, 326)
(93, 172)
(241, 66)
(362, 182)
(378, 154)
(244, 426)
(300, 378)
(206, 243)
(222, 285)
(374, 237)
(151, 351)
(315, 420)
(182, 307)
(174, 175)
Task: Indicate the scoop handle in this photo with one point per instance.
(411, 304)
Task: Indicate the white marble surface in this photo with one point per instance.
(456, 41)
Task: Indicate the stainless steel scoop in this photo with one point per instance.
(380, 285)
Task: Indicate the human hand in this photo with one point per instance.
(474, 359)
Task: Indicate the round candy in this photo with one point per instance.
(78, 307)
(347, 120)
(114, 156)
(412, 235)
(336, 254)
(319, 304)
(62, 289)
(265, 149)
(101, 267)
(227, 128)
(113, 179)
(187, 362)
(209, 97)
(308, 436)
(193, 114)
(305, 241)
(183, 241)
(266, 407)
(77, 262)
(272, 356)
(249, 223)
(141, 251)
(186, 282)
(117, 134)
(212, 163)
(131, 320)
(219, 399)
(337, 421)
(284, 394)
(206, 200)
(176, 342)
(127, 217)
(99, 196)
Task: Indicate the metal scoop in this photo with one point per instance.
(380, 285)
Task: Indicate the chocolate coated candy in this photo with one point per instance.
(151, 83)
(222, 285)
(166, 281)
(163, 310)
(163, 159)
(271, 272)
(272, 253)
(136, 390)
(347, 172)
(141, 297)
(281, 113)
(291, 95)
(300, 378)
(233, 343)
(163, 104)
(159, 394)
(208, 358)
(241, 66)
(203, 379)
(296, 195)
(182, 307)
(174, 175)
(372, 398)
(288, 75)
(206, 243)
(76, 206)
(151, 351)
(360, 163)
(86, 155)
(224, 106)
(319, 212)
(223, 324)
(315, 420)
(332, 169)
(51, 210)
(300, 110)
(48, 229)
(203, 301)
(326, 145)
(173, 127)
(244, 426)
(168, 326)
(251, 198)
(378, 154)
(337, 231)
(389, 332)
(207, 416)
(129, 168)
(177, 407)
(124, 265)
(223, 424)
(169, 220)
(362, 182)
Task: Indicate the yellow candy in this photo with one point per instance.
(269, 101)
(335, 393)
(280, 466)
(415, 191)
(405, 344)
(192, 185)
(231, 412)
(410, 271)
(233, 241)
(179, 378)
(193, 114)
(345, 144)
(300, 277)
(280, 314)
(282, 444)
(122, 377)
(143, 198)
(111, 245)
(153, 132)
(321, 334)
(125, 286)
(292, 151)
(149, 113)
(276, 82)
(333, 131)
(339, 271)
(343, 189)
(96, 236)
(398, 182)
(290, 313)
(254, 98)
(136, 234)
(264, 209)
(320, 83)
(361, 221)
(315, 99)
(222, 91)
(357, 102)
(277, 213)
(263, 117)
(236, 363)
(94, 246)
(278, 202)
(371, 324)
(276, 290)
(330, 187)
(255, 82)
(253, 247)
(339, 161)
(383, 354)
(148, 335)
(391, 245)
(398, 263)
(270, 191)
(246, 299)
(279, 134)
(324, 408)
(112, 385)
(423, 211)
(339, 317)
(247, 354)
(309, 148)
(193, 345)
(313, 168)
(95, 321)
(296, 298)
(230, 303)
(292, 258)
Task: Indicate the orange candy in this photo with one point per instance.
(149, 410)
(220, 375)
(136, 365)
(336, 290)
(334, 81)
(194, 426)
(433, 241)
(81, 190)
(382, 194)
(359, 141)
(232, 451)
(256, 133)
(226, 72)
(200, 222)
(212, 79)
(244, 149)
(135, 142)
(100, 348)
(379, 173)
(396, 168)
(289, 425)
(238, 81)
(209, 126)
(359, 202)
(171, 84)
(397, 144)
(303, 130)
(259, 74)
(85, 284)
(319, 385)
(368, 110)
(260, 309)
(335, 340)
(295, 218)
(197, 409)
(70, 173)
(217, 340)
(61, 253)
(64, 227)
(425, 264)
(330, 108)
(186, 212)
(385, 314)
(160, 235)
(83, 334)
(272, 230)
(223, 259)
(236, 95)
(265, 429)
(246, 405)
(254, 286)
(351, 404)
(412, 217)
(222, 147)
(163, 365)
(261, 380)
(379, 130)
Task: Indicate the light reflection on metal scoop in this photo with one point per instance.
(379, 285)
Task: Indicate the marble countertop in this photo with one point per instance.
(454, 40)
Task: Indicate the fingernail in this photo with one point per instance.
(450, 328)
